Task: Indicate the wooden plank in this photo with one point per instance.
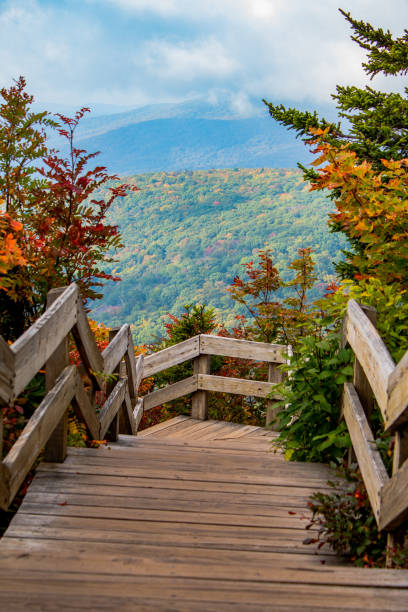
(240, 386)
(127, 411)
(134, 369)
(169, 393)
(360, 380)
(370, 351)
(133, 588)
(39, 428)
(7, 367)
(274, 376)
(199, 400)
(87, 346)
(40, 341)
(152, 430)
(397, 389)
(111, 407)
(56, 445)
(83, 405)
(116, 349)
(245, 349)
(394, 500)
(184, 562)
(174, 355)
(138, 413)
(368, 456)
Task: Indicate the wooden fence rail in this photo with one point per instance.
(375, 369)
(45, 345)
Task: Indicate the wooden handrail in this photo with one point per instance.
(41, 345)
(389, 384)
(21, 361)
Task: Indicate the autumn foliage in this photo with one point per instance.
(371, 209)
(54, 228)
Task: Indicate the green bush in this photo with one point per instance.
(309, 416)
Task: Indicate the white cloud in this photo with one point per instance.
(70, 51)
(187, 61)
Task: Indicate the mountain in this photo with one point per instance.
(195, 134)
(194, 144)
(186, 235)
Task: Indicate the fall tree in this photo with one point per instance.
(63, 234)
(373, 124)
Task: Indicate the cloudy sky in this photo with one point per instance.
(134, 52)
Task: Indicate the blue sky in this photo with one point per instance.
(135, 52)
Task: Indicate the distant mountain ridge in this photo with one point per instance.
(191, 135)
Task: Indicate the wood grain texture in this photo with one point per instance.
(7, 367)
(87, 346)
(199, 400)
(116, 349)
(39, 428)
(174, 355)
(394, 500)
(397, 391)
(40, 341)
(85, 409)
(169, 393)
(239, 386)
(231, 347)
(111, 406)
(368, 457)
(371, 352)
(56, 445)
(179, 528)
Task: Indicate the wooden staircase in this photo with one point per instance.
(187, 515)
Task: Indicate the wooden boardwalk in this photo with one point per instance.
(188, 515)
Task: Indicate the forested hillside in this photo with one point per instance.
(186, 235)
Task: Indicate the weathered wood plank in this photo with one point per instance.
(169, 393)
(368, 456)
(239, 386)
(127, 414)
(116, 349)
(174, 355)
(397, 390)
(111, 407)
(394, 500)
(370, 351)
(56, 445)
(7, 367)
(274, 376)
(245, 349)
(39, 428)
(40, 341)
(134, 369)
(138, 413)
(83, 405)
(360, 380)
(199, 400)
(87, 346)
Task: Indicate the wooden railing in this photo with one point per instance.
(375, 373)
(199, 349)
(46, 344)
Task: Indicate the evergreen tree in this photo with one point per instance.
(372, 123)
(377, 121)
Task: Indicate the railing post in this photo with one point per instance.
(199, 408)
(274, 376)
(360, 380)
(396, 538)
(56, 447)
(112, 434)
